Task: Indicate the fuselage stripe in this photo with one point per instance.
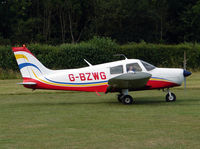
(159, 79)
(69, 85)
(28, 64)
(76, 83)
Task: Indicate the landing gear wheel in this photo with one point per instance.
(171, 98)
(127, 99)
(119, 97)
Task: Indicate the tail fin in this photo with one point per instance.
(29, 65)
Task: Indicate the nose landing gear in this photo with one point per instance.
(170, 97)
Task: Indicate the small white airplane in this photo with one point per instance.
(119, 76)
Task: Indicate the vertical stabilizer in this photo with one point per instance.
(29, 65)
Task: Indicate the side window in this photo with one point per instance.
(133, 67)
(116, 70)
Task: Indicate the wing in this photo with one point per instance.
(131, 81)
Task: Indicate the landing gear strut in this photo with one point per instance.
(124, 98)
(170, 97)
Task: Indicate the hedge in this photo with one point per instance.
(165, 55)
(101, 50)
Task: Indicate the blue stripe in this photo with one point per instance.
(75, 83)
(28, 64)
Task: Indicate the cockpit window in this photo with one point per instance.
(116, 69)
(148, 66)
(133, 67)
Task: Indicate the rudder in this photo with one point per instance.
(29, 65)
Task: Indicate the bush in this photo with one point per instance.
(67, 56)
(101, 50)
(7, 59)
(165, 55)
(9, 74)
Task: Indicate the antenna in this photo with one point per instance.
(121, 55)
(87, 62)
(184, 67)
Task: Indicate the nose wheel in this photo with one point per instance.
(170, 97)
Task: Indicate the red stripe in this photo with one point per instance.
(152, 84)
(40, 85)
(160, 84)
(24, 49)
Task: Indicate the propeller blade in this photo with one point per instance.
(184, 83)
(186, 74)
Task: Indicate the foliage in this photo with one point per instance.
(100, 50)
(165, 55)
(64, 21)
(9, 74)
(96, 51)
(7, 59)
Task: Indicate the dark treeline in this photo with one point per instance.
(64, 21)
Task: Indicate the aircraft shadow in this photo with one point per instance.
(138, 101)
(65, 103)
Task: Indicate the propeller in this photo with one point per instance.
(185, 72)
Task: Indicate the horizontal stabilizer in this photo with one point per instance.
(28, 83)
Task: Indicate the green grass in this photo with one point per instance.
(58, 119)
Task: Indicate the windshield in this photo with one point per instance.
(148, 66)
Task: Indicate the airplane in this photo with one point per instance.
(120, 76)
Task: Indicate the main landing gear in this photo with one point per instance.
(170, 97)
(124, 98)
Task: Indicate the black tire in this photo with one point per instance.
(170, 99)
(127, 99)
(119, 97)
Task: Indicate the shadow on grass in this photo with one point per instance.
(153, 101)
(189, 101)
(149, 102)
(67, 104)
(138, 101)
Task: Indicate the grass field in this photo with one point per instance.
(76, 120)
